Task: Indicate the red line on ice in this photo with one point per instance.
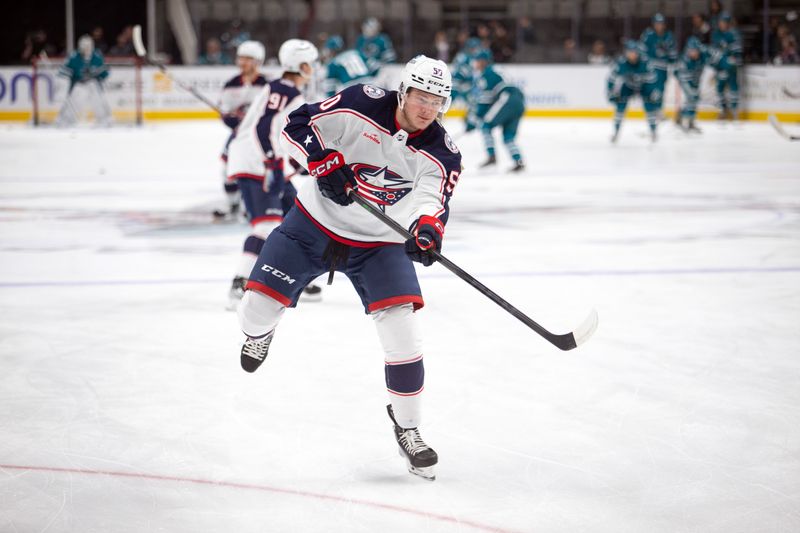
(265, 488)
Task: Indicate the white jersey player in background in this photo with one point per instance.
(387, 147)
(256, 159)
(237, 95)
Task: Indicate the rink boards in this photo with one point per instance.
(550, 90)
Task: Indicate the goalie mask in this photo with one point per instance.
(86, 46)
(294, 52)
(428, 75)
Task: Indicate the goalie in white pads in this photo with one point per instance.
(86, 70)
(237, 95)
(387, 147)
(256, 160)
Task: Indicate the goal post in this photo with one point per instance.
(122, 89)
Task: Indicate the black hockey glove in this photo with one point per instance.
(427, 237)
(334, 177)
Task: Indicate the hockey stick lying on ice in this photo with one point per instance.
(138, 44)
(779, 128)
(567, 341)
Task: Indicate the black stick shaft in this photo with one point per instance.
(564, 342)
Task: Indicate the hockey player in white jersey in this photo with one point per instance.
(237, 95)
(256, 160)
(387, 147)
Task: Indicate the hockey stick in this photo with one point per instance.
(779, 128)
(138, 44)
(567, 341)
(790, 94)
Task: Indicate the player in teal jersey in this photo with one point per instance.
(464, 81)
(376, 46)
(86, 69)
(662, 53)
(499, 105)
(726, 57)
(346, 68)
(690, 69)
(632, 75)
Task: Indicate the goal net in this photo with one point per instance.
(122, 90)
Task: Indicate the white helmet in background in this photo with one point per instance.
(294, 53)
(429, 75)
(86, 45)
(371, 27)
(252, 49)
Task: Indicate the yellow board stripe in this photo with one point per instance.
(193, 114)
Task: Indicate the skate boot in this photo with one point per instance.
(236, 292)
(653, 136)
(420, 458)
(312, 293)
(220, 215)
(693, 127)
(614, 137)
(254, 351)
(518, 167)
(489, 162)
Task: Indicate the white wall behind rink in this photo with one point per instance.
(551, 90)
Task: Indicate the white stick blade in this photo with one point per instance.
(138, 44)
(583, 332)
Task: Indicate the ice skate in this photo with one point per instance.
(489, 162)
(236, 292)
(615, 137)
(312, 293)
(232, 215)
(420, 458)
(518, 167)
(693, 127)
(254, 351)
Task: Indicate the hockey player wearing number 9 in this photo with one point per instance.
(387, 147)
(256, 160)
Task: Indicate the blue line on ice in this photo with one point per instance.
(571, 273)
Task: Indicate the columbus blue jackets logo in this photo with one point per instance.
(374, 92)
(380, 185)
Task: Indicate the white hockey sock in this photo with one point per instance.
(246, 263)
(259, 314)
(400, 337)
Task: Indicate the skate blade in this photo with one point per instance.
(426, 472)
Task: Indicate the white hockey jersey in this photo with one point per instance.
(256, 140)
(236, 98)
(405, 175)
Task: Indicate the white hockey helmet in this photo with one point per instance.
(252, 49)
(86, 45)
(429, 75)
(294, 52)
(371, 27)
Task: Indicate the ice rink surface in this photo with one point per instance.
(123, 407)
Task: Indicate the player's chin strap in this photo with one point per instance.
(337, 253)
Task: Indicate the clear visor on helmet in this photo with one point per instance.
(418, 97)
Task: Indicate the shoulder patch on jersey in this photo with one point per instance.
(374, 92)
(448, 141)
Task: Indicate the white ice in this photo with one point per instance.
(123, 407)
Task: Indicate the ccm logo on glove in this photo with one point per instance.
(331, 162)
(335, 179)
